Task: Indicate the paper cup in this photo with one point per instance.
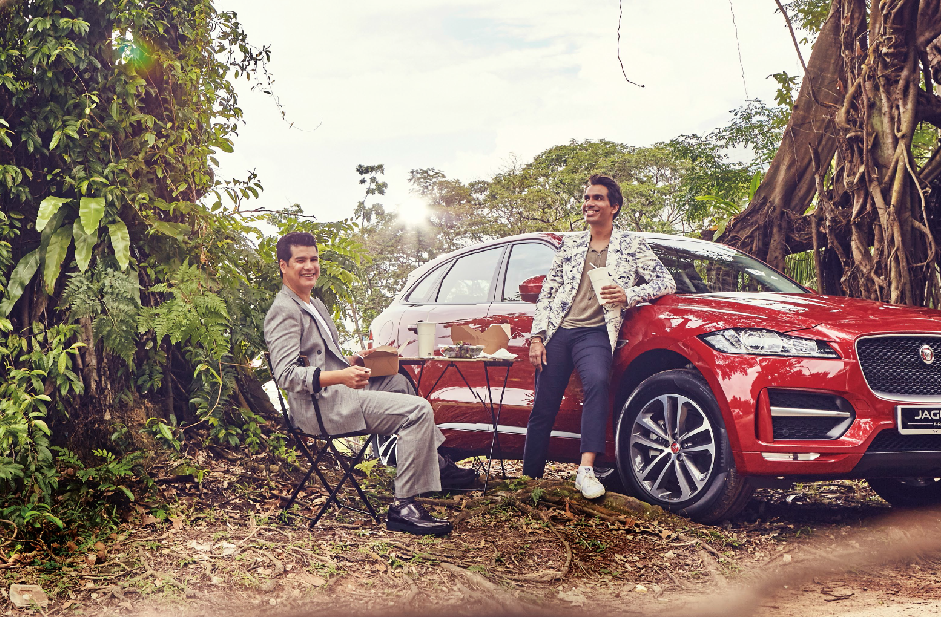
(599, 278)
(426, 339)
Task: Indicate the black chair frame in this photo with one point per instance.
(314, 458)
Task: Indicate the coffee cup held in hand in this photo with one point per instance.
(600, 277)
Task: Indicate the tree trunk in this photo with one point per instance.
(849, 145)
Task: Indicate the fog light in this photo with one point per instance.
(790, 456)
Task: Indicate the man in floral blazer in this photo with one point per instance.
(573, 330)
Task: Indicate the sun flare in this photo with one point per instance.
(413, 211)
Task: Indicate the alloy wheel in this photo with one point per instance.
(672, 448)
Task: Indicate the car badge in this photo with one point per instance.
(927, 354)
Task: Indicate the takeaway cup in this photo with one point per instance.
(426, 339)
(599, 278)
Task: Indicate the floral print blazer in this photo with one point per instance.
(628, 256)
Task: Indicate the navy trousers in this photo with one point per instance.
(588, 351)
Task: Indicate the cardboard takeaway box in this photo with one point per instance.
(383, 360)
(494, 338)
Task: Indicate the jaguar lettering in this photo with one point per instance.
(928, 414)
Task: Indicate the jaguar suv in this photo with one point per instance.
(741, 379)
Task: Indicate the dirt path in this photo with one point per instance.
(526, 548)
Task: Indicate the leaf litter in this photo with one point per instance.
(526, 546)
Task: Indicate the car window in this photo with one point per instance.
(425, 287)
(469, 280)
(526, 261)
(718, 269)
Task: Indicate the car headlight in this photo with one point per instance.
(761, 342)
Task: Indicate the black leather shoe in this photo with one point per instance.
(411, 517)
(454, 477)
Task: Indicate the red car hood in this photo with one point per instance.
(835, 316)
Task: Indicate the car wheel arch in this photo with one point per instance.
(643, 367)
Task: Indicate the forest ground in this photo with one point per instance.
(526, 547)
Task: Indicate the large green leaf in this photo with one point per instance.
(91, 211)
(48, 207)
(19, 279)
(120, 242)
(175, 230)
(84, 243)
(55, 255)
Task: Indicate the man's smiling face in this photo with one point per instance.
(596, 208)
(300, 273)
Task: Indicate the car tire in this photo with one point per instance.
(693, 475)
(908, 492)
(383, 447)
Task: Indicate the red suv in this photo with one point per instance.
(741, 379)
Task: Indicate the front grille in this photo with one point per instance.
(893, 365)
(890, 440)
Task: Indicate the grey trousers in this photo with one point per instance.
(390, 407)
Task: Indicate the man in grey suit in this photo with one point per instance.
(308, 363)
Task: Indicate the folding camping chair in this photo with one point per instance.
(346, 463)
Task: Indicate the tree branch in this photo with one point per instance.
(928, 108)
(790, 27)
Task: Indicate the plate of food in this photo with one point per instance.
(462, 351)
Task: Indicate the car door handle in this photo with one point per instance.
(413, 328)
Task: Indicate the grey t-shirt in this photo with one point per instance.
(586, 311)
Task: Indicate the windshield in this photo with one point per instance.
(702, 268)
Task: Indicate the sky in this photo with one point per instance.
(466, 86)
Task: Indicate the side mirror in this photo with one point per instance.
(531, 287)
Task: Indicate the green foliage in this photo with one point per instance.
(193, 313)
(369, 176)
(801, 268)
(18, 281)
(112, 116)
(89, 486)
(757, 126)
(110, 298)
(35, 374)
(165, 434)
(808, 15)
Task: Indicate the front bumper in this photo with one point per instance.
(868, 446)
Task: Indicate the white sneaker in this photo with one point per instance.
(588, 484)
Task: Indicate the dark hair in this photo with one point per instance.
(295, 238)
(614, 190)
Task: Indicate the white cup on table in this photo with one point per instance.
(426, 339)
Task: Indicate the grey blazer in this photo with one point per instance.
(291, 331)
